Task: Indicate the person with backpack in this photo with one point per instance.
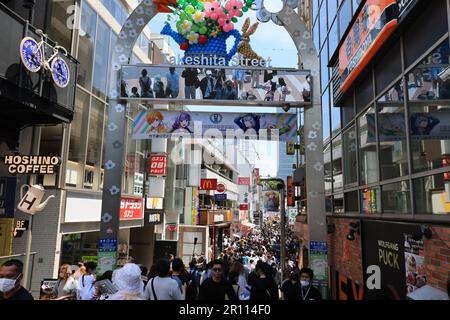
(86, 289)
(264, 287)
(158, 88)
(194, 281)
(162, 287)
(146, 85)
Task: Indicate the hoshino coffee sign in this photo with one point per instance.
(31, 164)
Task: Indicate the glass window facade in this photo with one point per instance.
(389, 134)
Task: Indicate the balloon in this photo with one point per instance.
(190, 9)
(234, 19)
(203, 30)
(245, 9)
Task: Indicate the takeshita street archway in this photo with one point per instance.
(115, 136)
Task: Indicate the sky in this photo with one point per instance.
(269, 40)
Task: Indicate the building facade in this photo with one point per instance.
(88, 29)
(385, 98)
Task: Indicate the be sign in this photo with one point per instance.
(131, 209)
(158, 163)
(208, 184)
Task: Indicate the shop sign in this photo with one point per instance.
(373, 26)
(138, 184)
(131, 209)
(243, 207)
(221, 187)
(154, 203)
(158, 164)
(31, 164)
(107, 245)
(290, 148)
(404, 6)
(244, 181)
(219, 218)
(257, 176)
(208, 184)
(319, 263)
(153, 217)
(7, 196)
(290, 192)
(399, 257)
(20, 227)
(220, 197)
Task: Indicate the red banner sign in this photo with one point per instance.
(290, 192)
(244, 181)
(208, 184)
(158, 164)
(243, 207)
(374, 25)
(131, 209)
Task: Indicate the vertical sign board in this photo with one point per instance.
(158, 165)
(257, 176)
(195, 207)
(374, 25)
(107, 255)
(319, 263)
(290, 148)
(290, 192)
(398, 256)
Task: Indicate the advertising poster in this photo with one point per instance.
(319, 263)
(165, 124)
(390, 252)
(271, 201)
(424, 126)
(195, 208)
(414, 264)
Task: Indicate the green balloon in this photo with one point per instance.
(203, 30)
(195, 28)
(234, 19)
(249, 3)
(245, 9)
(190, 9)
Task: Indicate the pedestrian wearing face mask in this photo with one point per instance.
(305, 289)
(11, 273)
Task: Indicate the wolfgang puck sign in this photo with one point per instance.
(31, 164)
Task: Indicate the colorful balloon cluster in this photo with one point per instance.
(200, 20)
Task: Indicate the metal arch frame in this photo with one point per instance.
(115, 136)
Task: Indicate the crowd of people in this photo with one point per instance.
(248, 268)
(213, 84)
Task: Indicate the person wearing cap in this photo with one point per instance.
(207, 86)
(158, 87)
(128, 281)
(229, 92)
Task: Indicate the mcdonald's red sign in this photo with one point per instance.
(208, 184)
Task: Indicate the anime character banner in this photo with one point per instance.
(423, 125)
(165, 124)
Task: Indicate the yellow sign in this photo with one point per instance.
(290, 148)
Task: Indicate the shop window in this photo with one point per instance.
(93, 155)
(345, 16)
(364, 93)
(78, 137)
(329, 204)
(335, 117)
(430, 80)
(323, 22)
(86, 46)
(349, 151)
(370, 201)
(338, 203)
(426, 30)
(326, 115)
(337, 162)
(58, 13)
(392, 134)
(368, 161)
(50, 145)
(351, 202)
(327, 167)
(432, 194)
(332, 11)
(333, 38)
(323, 67)
(388, 68)
(430, 144)
(396, 197)
(101, 61)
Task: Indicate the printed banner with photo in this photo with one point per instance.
(261, 86)
(165, 124)
(271, 201)
(424, 126)
(414, 264)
